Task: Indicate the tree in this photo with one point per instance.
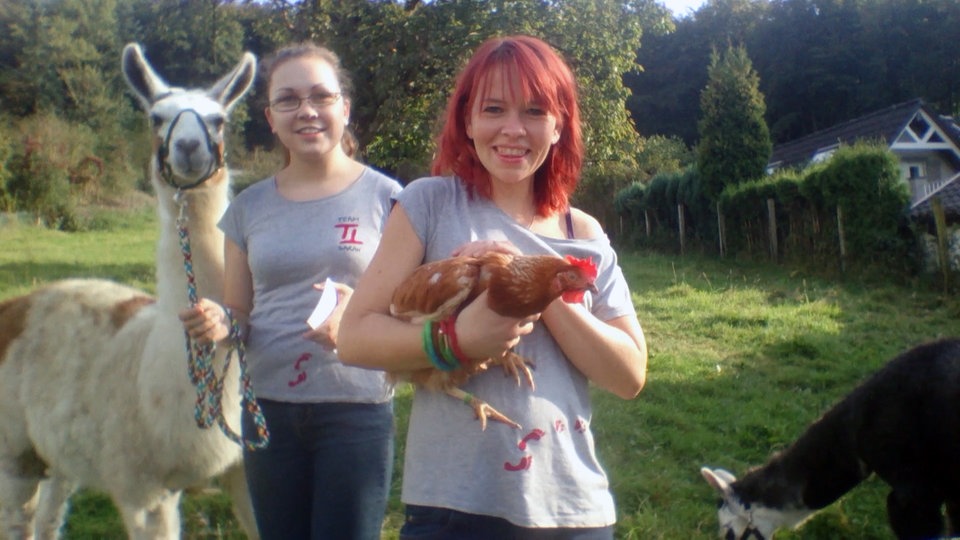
(403, 78)
(405, 55)
(734, 140)
(672, 65)
(598, 38)
(61, 57)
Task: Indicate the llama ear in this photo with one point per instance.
(720, 480)
(727, 476)
(235, 84)
(141, 78)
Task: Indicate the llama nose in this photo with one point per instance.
(188, 146)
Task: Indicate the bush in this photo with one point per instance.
(629, 204)
(658, 202)
(248, 167)
(7, 145)
(863, 180)
(866, 184)
(40, 182)
(54, 166)
(700, 212)
(629, 201)
(598, 186)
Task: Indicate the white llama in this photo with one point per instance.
(94, 382)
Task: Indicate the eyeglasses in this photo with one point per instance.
(292, 102)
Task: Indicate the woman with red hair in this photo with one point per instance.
(508, 159)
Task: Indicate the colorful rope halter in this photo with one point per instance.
(208, 409)
(163, 151)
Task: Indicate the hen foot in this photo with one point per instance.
(482, 409)
(514, 364)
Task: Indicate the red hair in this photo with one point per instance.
(545, 78)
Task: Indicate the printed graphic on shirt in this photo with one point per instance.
(526, 460)
(349, 227)
(298, 367)
(581, 425)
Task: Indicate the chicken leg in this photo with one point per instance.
(482, 409)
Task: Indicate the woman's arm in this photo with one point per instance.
(207, 322)
(612, 354)
(370, 337)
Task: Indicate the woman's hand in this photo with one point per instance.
(326, 334)
(481, 333)
(206, 322)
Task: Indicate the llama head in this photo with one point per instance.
(740, 520)
(187, 125)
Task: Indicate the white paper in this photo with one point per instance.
(325, 306)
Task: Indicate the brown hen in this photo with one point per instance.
(518, 286)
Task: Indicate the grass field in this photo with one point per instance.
(742, 358)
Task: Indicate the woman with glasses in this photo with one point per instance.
(326, 470)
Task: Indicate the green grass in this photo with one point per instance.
(742, 358)
(123, 249)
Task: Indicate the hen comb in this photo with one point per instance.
(587, 265)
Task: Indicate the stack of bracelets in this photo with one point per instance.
(440, 344)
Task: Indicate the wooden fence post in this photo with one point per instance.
(721, 227)
(772, 228)
(940, 219)
(682, 225)
(646, 220)
(843, 242)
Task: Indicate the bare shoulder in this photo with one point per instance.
(585, 225)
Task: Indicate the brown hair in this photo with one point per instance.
(545, 77)
(308, 49)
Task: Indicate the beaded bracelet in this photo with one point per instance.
(430, 349)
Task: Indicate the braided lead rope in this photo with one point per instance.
(249, 399)
(208, 408)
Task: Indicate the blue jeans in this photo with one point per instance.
(431, 523)
(325, 473)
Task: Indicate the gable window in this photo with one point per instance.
(917, 171)
(919, 126)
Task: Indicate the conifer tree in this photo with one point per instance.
(734, 139)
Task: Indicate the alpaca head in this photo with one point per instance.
(187, 125)
(740, 520)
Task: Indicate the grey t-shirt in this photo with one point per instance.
(291, 245)
(547, 474)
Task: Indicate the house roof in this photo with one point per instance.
(949, 195)
(884, 125)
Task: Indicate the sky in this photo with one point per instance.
(682, 7)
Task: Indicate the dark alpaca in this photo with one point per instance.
(902, 424)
